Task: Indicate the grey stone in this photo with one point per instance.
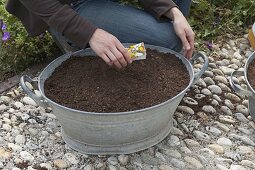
(147, 159)
(3, 107)
(206, 92)
(248, 163)
(185, 109)
(71, 158)
(185, 150)
(20, 139)
(216, 97)
(165, 167)
(234, 156)
(245, 151)
(190, 101)
(191, 143)
(213, 130)
(209, 81)
(237, 167)
(26, 156)
(15, 148)
(208, 109)
(227, 119)
(215, 89)
(5, 99)
(233, 97)
(218, 72)
(244, 139)
(226, 110)
(177, 163)
(194, 162)
(216, 148)
(18, 105)
(208, 73)
(221, 79)
(245, 130)
(173, 141)
(215, 102)
(222, 126)
(229, 104)
(201, 135)
(224, 87)
(173, 153)
(29, 101)
(200, 96)
(242, 109)
(241, 117)
(226, 70)
(224, 141)
(111, 167)
(176, 131)
(123, 159)
(221, 167)
(112, 160)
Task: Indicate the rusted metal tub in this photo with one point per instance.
(113, 133)
(250, 92)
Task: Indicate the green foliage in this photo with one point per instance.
(211, 18)
(20, 51)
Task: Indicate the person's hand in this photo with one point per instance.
(183, 31)
(109, 48)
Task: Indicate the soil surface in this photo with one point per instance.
(251, 74)
(88, 84)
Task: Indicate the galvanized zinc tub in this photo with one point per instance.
(113, 133)
(250, 92)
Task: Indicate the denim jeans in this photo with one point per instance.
(128, 24)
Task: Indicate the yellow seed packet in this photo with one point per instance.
(137, 51)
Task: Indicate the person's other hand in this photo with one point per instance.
(109, 48)
(183, 31)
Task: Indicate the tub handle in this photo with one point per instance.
(39, 100)
(237, 88)
(205, 66)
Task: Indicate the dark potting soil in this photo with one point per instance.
(251, 74)
(88, 84)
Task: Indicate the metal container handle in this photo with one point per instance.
(39, 100)
(205, 66)
(237, 88)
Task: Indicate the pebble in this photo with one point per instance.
(241, 117)
(221, 79)
(206, 92)
(123, 159)
(5, 99)
(26, 156)
(165, 167)
(216, 148)
(147, 159)
(20, 139)
(229, 104)
(213, 130)
(221, 167)
(201, 83)
(71, 158)
(237, 55)
(176, 131)
(190, 101)
(218, 72)
(245, 103)
(233, 97)
(5, 154)
(208, 109)
(6, 127)
(3, 107)
(224, 87)
(215, 89)
(208, 73)
(216, 97)
(215, 102)
(15, 148)
(201, 135)
(203, 116)
(185, 150)
(177, 163)
(227, 119)
(186, 109)
(222, 126)
(19, 105)
(207, 151)
(193, 162)
(226, 110)
(46, 165)
(245, 130)
(59, 163)
(224, 141)
(174, 141)
(172, 153)
(112, 160)
(242, 109)
(237, 167)
(199, 96)
(209, 81)
(29, 101)
(227, 70)
(248, 163)
(244, 139)
(111, 167)
(191, 143)
(246, 151)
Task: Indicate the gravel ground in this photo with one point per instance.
(212, 128)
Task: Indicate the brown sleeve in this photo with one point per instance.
(157, 7)
(63, 19)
